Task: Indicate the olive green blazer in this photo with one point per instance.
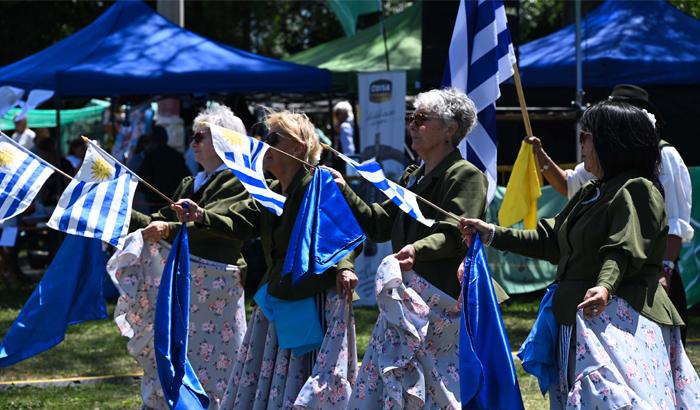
(610, 234)
(219, 193)
(247, 220)
(456, 186)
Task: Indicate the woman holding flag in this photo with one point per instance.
(416, 366)
(281, 364)
(217, 311)
(618, 343)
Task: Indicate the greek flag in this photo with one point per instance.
(244, 157)
(481, 57)
(402, 197)
(97, 203)
(22, 175)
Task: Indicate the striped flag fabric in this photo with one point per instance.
(97, 202)
(244, 155)
(481, 57)
(22, 174)
(402, 197)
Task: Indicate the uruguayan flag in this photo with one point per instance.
(402, 197)
(244, 156)
(481, 57)
(22, 175)
(97, 203)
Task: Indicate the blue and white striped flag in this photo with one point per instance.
(402, 197)
(244, 156)
(481, 57)
(22, 174)
(97, 202)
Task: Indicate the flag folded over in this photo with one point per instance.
(97, 202)
(486, 371)
(481, 57)
(324, 232)
(181, 387)
(22, 174)
(244, 156)
(523, 191)
(402, 197)
(70, 292)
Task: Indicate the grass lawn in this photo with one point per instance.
(97, 349)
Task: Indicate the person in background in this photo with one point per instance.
(619, 341)
(343, 120)
(76, 152)
(677, 191)
(163, 167)
(23, 135)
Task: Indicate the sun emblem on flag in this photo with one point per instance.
(7, 156)
(232, 137)
(101, 169)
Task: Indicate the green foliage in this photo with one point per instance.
(690, 7)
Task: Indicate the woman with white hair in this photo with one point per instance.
(217, 310)
(266, 375)
(342, 116)
(412, 358)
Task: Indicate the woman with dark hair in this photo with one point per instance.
(619, 342)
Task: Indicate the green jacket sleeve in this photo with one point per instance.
(539, 243)
(464, 194)
(627, 248)
(376, 220)
(240, 221)
(140, 220)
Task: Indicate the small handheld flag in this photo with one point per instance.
(244, 157)
(97, 202)
(22, 174)
(522, 192)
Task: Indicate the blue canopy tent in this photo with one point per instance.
(640, 42)
(131, 49)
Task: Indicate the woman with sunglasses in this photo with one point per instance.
(619, 342)
(397, 368)
(266, 375)
(217, 310)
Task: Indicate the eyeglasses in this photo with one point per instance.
(273, 137)
(419, 118)
(583, 135)
(199, 136)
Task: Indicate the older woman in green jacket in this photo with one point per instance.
(426, 260)
(619, 335)
(265, 374)
(217, 311)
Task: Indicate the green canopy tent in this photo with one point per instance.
(364, 51)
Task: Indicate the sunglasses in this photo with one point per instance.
(419, 118)
(273, 137)
(583, 135)
(199, 136)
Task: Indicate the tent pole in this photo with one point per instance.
(386, 48)
(579, 80)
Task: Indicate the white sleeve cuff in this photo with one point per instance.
(680, 228)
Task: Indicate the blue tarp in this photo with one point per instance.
(130, 49)
(640, 42)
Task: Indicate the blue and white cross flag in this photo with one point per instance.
(22, 174)
(402, 197)
(97, 202)
(481, 57)
(244, 155)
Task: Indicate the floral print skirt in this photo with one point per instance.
(622, 360)
(412, 358)
(267, 377)
(217, 315)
